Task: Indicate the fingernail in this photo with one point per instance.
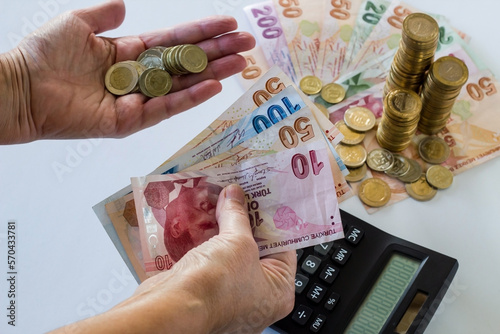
(234, 192)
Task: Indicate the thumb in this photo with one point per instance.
(232, 212)
(103, 17)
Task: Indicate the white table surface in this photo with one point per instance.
(68, 269)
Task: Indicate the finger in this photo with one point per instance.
(160, 108)
(227, 44)
(231, 212)
(190, 32)
(218, 69)
(103, 17)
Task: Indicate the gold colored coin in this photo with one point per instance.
(380, 160)
(374, 192)
(323, 109)
(310, 85)
(155, 82)
(333, 93)
(421, 190)
(439, 177)
(356, 174)
(192, 58)
(433, 150)
(421, 28)
(121, 78)
(350, 137)
(353, 156)
(359, 119)
(450, 71)
(413, 174)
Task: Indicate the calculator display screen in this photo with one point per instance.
(384, 295)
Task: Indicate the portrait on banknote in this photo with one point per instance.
(186, 211)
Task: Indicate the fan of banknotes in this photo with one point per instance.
(279, 143)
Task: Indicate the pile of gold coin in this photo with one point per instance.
(442, 86)
(419, 40)
(151, 73)
(399, 120)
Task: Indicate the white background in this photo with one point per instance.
(68, 267)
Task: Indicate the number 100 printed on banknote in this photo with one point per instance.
(290, 197)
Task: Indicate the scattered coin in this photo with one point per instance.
(439, 177)
(359, 119)
(350, 137)
(356, 174)
(353, 156)
(374, 192)
(310, 85)
(333, 93)
(413, 174)
(421, 190)
(121, 78)
(380, 160)
(433, 150)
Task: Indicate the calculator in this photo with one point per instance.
(369, 282)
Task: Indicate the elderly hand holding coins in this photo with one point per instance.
(53, 81)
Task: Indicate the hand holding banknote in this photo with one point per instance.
(62, 94)
(221, 286)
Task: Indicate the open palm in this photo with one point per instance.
(61, 68)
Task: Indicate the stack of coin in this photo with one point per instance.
(399, 120)
(184, 59)
(416, 51)
(151, 72)
(442, 86)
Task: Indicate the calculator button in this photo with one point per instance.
(318, 323)
(316, 293)
(299, 253)
(302, 314)
(341, 255)
(311, 264)
(300, 283)
(329, 273)
(331, 301)
(354, 235)
(323, 249)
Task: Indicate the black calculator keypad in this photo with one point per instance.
(302, 314)
(300, 283)
(316, 275)
(329, 273)
(333, 279)
(311, 264)
(318, 323)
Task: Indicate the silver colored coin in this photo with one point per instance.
(380, 160)
(400, 167)
(413, 174)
